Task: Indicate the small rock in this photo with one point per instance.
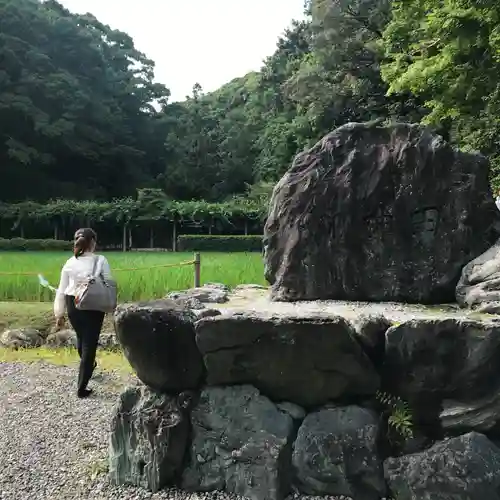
(207, 313)
(62, 338)
(108, 340)
(295, 411)
(211, 293)
(20, 338)
(463, 467)
(249, 286)
(371, 331)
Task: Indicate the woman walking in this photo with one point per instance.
(86, 323)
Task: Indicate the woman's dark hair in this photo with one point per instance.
(84, 238)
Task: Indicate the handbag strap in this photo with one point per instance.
(95, 274)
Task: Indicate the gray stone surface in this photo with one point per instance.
(447, 370)
(306, 361)
(378, 212)
(241, 444)
(336, 454)
(158, 340)
(371, 330)
(213, 293)
(62, 338)
(148, 439)
(479, 285)
(19, 338)
(462, 468)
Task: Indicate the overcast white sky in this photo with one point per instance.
(205, 41)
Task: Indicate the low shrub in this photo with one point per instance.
(219, 243)
(23, 245)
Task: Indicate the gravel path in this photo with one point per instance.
(54, 446)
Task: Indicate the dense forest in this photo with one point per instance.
(83, 119)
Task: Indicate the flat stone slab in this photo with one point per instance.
(258, 300)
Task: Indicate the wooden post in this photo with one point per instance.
(197, 270)
(174, 237)
(246, 227)
(130, 243)
(210, 226)
(151, 238)
(56, 231)
(124, 238)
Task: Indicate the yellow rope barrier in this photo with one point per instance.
(178, 264)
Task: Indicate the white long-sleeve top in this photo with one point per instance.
(74, 272)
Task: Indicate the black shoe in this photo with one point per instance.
(84, 393)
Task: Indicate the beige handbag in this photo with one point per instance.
(96, 293)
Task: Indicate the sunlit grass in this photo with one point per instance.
(109, 361)
(148, 282)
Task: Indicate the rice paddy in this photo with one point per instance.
(139, 274)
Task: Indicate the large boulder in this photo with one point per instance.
(462, 468)
(148, 439)
(447, 370)
(241, 443)
(158, 340)
(479, 285)
(336, 454)
(305, 360)
(378, 212)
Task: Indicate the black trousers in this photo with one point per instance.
(87, 325)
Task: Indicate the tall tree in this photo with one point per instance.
(75, 98)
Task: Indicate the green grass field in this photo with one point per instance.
(151, 282)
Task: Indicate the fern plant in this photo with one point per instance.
(400, 416)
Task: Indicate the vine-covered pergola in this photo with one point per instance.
(58, 218)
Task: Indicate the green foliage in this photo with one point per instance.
(212, 243)
(79, 121)
(447, 52)
(75, 98)
(22, 245)
(150, 205)
(400, 416)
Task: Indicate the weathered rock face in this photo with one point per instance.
(447, 371)
(241, 443)
(465, 467)
(336, 454)
(378, 213)
(479, 285)
(148, 440)
(308, 361)
(158, 340)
